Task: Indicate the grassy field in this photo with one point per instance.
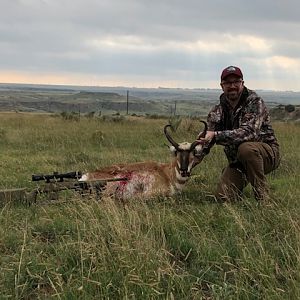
(185, 247)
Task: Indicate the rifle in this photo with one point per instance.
(56, 182)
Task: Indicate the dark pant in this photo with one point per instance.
(255, 160)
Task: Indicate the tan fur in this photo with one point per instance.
(158, 178)
(145, 179)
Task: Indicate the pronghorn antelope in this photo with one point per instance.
(148, 179)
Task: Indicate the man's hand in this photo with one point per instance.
(208, 137)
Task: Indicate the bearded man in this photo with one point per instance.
(241, 123)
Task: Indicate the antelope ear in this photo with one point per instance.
(199, 148)
(172, 149)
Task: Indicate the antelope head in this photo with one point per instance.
(187, 155)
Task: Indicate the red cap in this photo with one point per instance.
(231, 70)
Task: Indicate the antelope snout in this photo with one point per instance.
(185, 173)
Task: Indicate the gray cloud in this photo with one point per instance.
(185, 41)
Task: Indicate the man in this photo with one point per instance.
(241, 123)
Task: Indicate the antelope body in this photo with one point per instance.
(149, 179)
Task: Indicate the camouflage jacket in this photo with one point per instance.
(248, 122)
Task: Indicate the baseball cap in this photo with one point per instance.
(231, 70)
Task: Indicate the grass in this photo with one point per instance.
(184, 247)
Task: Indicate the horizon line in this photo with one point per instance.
(134, 87)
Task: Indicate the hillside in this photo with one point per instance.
(109, 100)
(61, 100)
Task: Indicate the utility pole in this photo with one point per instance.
(175, 108)
(127, 104)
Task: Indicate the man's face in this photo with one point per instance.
(232, 87)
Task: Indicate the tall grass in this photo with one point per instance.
(184, 247)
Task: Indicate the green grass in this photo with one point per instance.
(184, 247)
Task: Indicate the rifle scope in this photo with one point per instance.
(56, 176)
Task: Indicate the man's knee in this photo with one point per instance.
(247, 151)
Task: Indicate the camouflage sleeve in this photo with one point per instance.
(214, 118)
(250, 124)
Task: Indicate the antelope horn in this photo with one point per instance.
(170, 138)
(203, 133)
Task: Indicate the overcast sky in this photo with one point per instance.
(150, 43)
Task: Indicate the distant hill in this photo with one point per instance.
(162, 101)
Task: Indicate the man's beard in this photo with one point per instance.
(233, 94)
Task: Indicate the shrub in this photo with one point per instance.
(113, 118)
(289, 108)
(72, 116)
(90, 115)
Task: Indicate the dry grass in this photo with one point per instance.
(186, 247)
